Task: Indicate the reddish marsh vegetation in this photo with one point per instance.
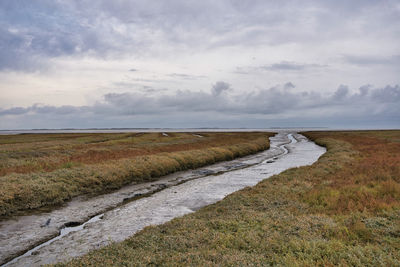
(343, 210)
(370, 182)
(27, 153)
(45, 169)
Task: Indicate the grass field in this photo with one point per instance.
(343, 210)
(40, 170)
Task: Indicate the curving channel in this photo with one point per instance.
(180, 193)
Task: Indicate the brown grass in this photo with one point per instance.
(341, 211)
(370, 183)
(43, 170)
(47, 152)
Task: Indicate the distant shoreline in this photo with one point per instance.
(205, 129)
(133, 130)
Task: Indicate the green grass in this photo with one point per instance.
(309, 216)
(46, 170)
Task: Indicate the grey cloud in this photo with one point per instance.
(340, 93)
(269, 101)
(290, 66)
(128, 104)
(368, 60)
(147, 80)
(288, 85)
(43, 109)
(388, 94)
(137, 86)
(243, 70)
(364, 90)
(33, 32)
(150, 89)
(13, 54)
(282, 66)
(14, 111)
(220, 87)
(273, 101)
(186, 76)
(48, 29)
(276, 106)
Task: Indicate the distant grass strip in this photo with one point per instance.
(344, 210)
(29, 191)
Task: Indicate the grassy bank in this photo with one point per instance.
(39, 170)
(342, 210)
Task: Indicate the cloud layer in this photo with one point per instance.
(133, 63)
(220, 103)
(34, 32)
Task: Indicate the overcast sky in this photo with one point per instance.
(121, 63)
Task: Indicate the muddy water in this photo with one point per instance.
(124, 218)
